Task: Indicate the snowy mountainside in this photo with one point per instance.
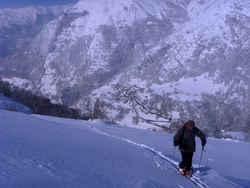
(44, 151)
(148, 62)
(27, 15)
(19, 25)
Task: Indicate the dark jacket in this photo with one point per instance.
(186, 139)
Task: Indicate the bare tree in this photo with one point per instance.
(154, 109)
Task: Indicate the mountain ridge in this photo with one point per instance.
(82, 58)
(18, 26)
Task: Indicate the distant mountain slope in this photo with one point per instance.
(18, 26)
(144, 62)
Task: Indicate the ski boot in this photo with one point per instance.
(188, 174)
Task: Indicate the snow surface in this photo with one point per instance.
(41, 151)
(181, 89)
(19, 82)
(9, 104)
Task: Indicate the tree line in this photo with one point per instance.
(39, 104)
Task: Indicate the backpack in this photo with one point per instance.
(180, 140)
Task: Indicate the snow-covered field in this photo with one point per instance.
(9, 104)
(40, 151)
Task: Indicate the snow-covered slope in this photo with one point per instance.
(19, 25)
(39, 151)
(27, 15)
(9, 104)
(144, 60)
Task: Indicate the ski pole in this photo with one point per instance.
(201, 155)
(173, 154)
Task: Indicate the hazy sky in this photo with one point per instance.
(22, 3)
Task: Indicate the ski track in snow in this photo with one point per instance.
(195, 179)
(55, 153)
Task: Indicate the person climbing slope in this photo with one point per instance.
(185, 139)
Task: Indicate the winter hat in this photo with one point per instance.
(190, 124)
